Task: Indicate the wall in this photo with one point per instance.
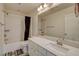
(1, 7)
(34, 23)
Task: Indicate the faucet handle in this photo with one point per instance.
(56, 40)
(59, 42)
(65, 34)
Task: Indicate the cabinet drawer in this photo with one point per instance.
(32, 48)
(32, 45)
(42, 51)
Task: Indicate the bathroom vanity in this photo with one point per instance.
(40, 46)
(57, 21)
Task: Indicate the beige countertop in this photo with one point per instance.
(59, 51)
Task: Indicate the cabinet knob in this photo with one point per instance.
(5, 35)
(1, 24)
(7, 30)
(6, 39)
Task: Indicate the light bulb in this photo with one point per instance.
(38, 9)
(45, 5)
(41, 7)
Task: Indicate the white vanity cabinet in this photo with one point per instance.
(37, 50)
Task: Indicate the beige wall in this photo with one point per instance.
(34, 23)
(1, 7)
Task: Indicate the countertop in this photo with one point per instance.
(43, 42)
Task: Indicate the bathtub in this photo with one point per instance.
(15, 46)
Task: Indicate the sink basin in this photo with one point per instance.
(57, 47)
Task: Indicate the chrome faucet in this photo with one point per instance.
(59, 42)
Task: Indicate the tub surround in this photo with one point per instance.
(52, 47)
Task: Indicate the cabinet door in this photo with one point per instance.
(1, 27)
(50, 54)
(1, 17)
(32, 48)
(42, 51)
(1, 38)
(1, 32)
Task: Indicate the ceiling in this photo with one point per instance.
(21, 7)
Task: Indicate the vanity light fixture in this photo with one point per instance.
(43, 6)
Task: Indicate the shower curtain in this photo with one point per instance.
(77, 9)
(27, 27)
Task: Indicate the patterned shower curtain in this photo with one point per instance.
(77, 9)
